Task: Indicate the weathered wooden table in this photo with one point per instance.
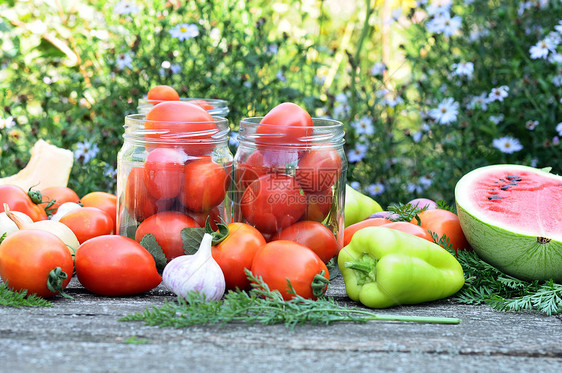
(85, 335)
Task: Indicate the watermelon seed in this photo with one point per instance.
(543, 240)
(502, 180)
(512, 177)
(494, 197)
(504, 187)
(512, 183)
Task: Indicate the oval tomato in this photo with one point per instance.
(273, 202)
(28, 256)
(350, 230)
(115, 265)
(103, 201)
(313, 235)
(443, 222)
(286, 123)
(279, 261)
(166, 227)
(318, 205)
(18, 200)
(204, 185)
(88, 222)
(162, 93)
(58, 194)
(318, 170)
(409, 228)
(163, 172)
(138, 201)
(236, 253)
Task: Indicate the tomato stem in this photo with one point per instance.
(55, 280)
(319, 283)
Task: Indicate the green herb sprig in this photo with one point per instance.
(262, 306)
(19, 299)
(485, 284)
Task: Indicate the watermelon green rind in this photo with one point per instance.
(526, 255)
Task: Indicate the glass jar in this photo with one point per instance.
(169, 180)
(213, 106)
(284, 175)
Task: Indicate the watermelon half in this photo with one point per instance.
(512, 217)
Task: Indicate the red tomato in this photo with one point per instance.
(319, 170)
(163, 93)
(88, 222)
(410, 228)
(443, 222)
(350, 230)
(203, 104)
(103, 201)
(175, 118)
(313, 235)
(204, 185)
(318, 205)
(273, 202)
(138, 201)
(60, 195)
(200, 218)
(259, 163)
(163, 172)
(115, 265)
(166, 227)
(28, 256)
(286, 123)
(18, 200)
(279, 261)
(236, 253)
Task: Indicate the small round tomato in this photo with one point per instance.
(162, 93)
(200, 218)
(58, 194)
(279, 261)
(318, 205)
(236, 252)
(318, 170)
(28, 256)
(88, 222)
(273, 202)
(166, 227)
(350, 230)
(409, 228)
(443, 223)
(138, 201)
(261, 162)
(313, 235)
(163, 172)
(287, 123)
(204, 185)
(115, 265)
(18, 200)
(103, 201)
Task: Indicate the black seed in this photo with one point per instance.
(502, 180)
(494, 197)
(513, 177)
(512, 183)
(504, 187)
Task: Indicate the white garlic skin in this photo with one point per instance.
(198, 272)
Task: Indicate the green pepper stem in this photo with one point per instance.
(359, 266)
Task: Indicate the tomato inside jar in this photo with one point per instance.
(173, 172)
(289, 168)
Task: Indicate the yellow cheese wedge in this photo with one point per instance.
(49, 166)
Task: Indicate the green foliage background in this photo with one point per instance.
(61, 80)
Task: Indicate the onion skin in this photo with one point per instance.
(198, 272)
(8, 226)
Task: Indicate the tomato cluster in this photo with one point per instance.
(285, 178)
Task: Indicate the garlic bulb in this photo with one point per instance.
(64, 209)
(8, 226)
(198, 272)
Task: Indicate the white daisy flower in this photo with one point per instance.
(557, 80)
(355, 185)
(559, 128)
(507, 144)
(414, 188)
(542, 48)
(86, 151)
(375, 189)
(496, 119)
(479, 102)
(125, 7)
(463, 69)
(233, 139)
(357, 154)
(378, 69)
(425, 181)
(364, 126)
(7, 123)
(446, 112)
(531, 124)
(498, 94)
(124, 60)
(185, 31)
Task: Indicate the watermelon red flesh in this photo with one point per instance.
(521, 200)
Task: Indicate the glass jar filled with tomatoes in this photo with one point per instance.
(289, 178)
(173, 172)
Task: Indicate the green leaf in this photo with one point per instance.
(191, 239)
(20, 298)
(151, 245)
(3, 237)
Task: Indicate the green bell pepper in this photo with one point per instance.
(358, 206)
(383, 267)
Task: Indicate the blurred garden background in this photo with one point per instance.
(427, 90)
